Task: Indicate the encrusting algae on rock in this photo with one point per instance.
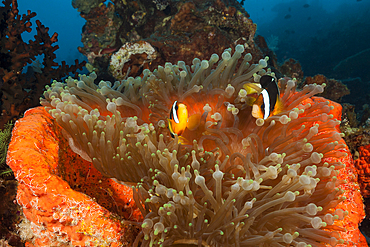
(229, 179)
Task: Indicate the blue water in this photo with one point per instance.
(327, 37)
(264, 11)
(320, 32)
(60, 17)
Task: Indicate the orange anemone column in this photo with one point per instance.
(65, 200)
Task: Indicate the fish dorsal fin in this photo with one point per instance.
(252, 88)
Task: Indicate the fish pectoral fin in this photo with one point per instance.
(193, 121)
(183, 140)
(170, 127)
(251, 100)
(259, 100)
(257, 112)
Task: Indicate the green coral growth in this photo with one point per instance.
(5, 136)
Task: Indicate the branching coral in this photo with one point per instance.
(233, 180)
(18, 90)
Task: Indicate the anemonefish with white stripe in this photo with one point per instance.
(178, 118)
(268, 101)
(180, 121)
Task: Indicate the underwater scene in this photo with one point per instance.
(185, 123)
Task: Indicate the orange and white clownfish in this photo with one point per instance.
(268, 101)
(178, 118)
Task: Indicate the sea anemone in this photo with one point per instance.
(230, 179)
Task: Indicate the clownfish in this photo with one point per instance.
(178, 118)
(268, 101)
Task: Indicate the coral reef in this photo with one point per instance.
(228, 179)
(9, 213)
(357, 137)
(362, 164)
(5, 136)
(131, 58)
(355, 128)
(363, 170)
(262, 44)
(177, 30)
(9, 209)
(99, 32)
(287, 179)
(18, 90)
(335, 89)
(292, 68)
(64, 199)
(86, 5)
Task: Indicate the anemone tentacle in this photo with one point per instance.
(236, 180)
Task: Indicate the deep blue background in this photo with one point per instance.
(60, 17)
